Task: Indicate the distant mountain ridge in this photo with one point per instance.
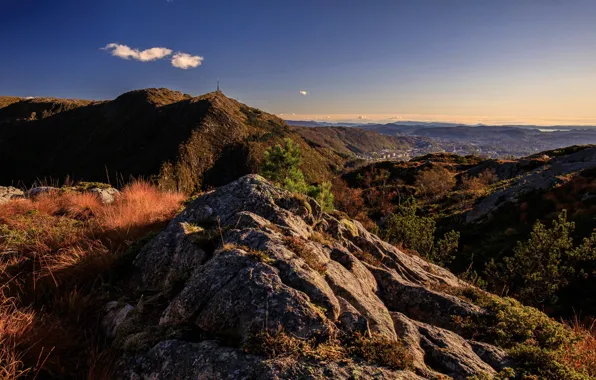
(433, 124)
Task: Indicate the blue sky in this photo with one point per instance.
(492, 61)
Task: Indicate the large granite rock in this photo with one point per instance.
(250, 257)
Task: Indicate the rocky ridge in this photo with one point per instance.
(250, 258)
(542, 178)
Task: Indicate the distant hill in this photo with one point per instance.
(492, 141)
(349, 141)
(183, 142)
(501, 141)
(314, 123)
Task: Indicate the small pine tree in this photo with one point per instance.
(544, 263)
(281, 166)
(294, 181)
(323, 195)
(282, 162)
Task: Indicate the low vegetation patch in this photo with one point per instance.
(380, 350)
(376, 349)
(59, 254)
(302, 250)
(279, 343)
(541, 347)
(417, 233)
(545, 263)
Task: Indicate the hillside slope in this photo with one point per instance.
(185, 142)
(492, 217)
(350, 141)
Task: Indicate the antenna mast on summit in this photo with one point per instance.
(218, 85)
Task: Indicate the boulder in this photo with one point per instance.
(37, 191)
(249, 259)
(8, 192)
(105, 195)
(115, 314)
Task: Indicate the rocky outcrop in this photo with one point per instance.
(541, 178)
(250, 258)
(9, 192)
(175, 359)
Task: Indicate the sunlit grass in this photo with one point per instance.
(55, 252)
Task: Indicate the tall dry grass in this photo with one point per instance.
(56, 254)
(581, 355)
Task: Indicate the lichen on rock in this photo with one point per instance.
(250, 258)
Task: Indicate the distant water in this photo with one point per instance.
(553, 130)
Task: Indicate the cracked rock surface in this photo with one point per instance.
(250, 257)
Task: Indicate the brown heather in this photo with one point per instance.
(57, 255)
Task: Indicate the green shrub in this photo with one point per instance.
(509, 323)
(281, 166)
(543, 264)
(418, 233)
(537, 344)
(323, 195)
(539, 363)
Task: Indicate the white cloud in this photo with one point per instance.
(362, 117)
(303, 92)
(186, 61)
(125, 52)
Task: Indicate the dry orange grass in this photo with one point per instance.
(14, 324)
(54, 252)
(581, 355)
(139, 204)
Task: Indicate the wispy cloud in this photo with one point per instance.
(394, 118)
(362, 117)
(303, 92)
(125, 52)
(186, 61)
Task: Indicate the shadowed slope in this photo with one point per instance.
(188, 142)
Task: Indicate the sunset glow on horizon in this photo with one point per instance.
(462, 61)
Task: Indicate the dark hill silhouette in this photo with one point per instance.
(184, 142)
